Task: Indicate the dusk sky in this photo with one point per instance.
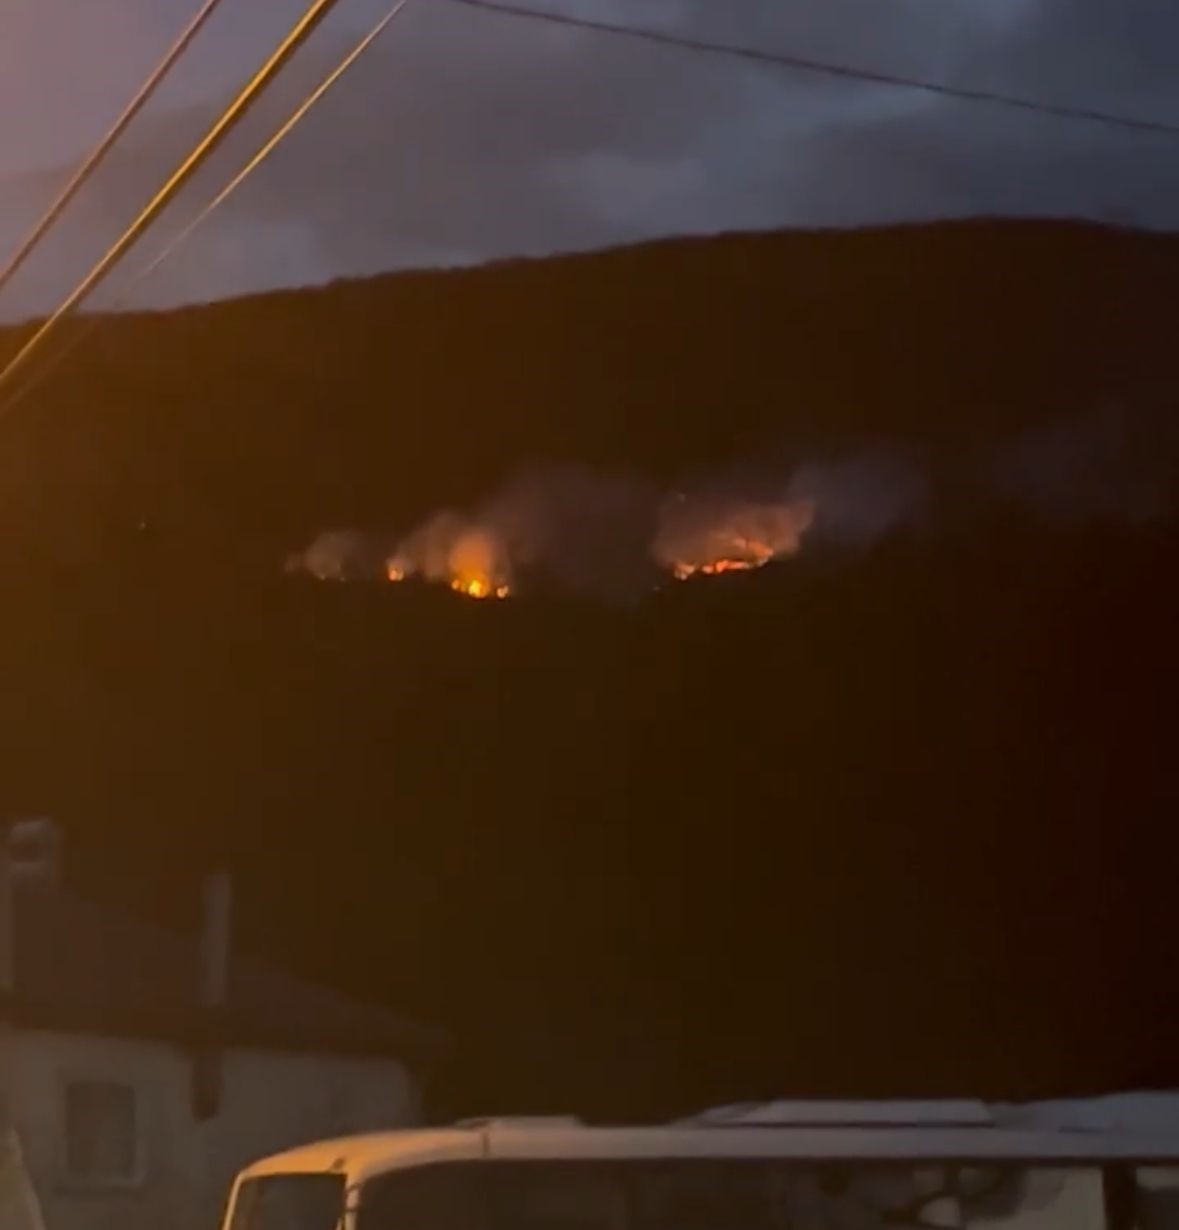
(468, 136)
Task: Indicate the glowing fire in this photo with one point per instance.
(476, 564)
(714, 538)
(468, 558)
(748, 556)
(700, 533)
(478, 587)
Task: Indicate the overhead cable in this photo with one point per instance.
(221, 128)
(264, 152)
(825, 68)
(106, 143)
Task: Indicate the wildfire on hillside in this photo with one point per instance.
(479, 587)
(466, 556)
(596, 532)
(712, 537)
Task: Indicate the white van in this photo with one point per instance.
(556, 1174)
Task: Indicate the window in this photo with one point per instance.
(100, 1132)
(290, 1202)
(1157, 1197)
(550, 1196)
(482, 1196)
(441, 1197)
(705, 1195)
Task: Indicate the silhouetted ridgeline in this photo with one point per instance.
(378, 399)
(897, 820)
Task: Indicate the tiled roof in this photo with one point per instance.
(84, 967)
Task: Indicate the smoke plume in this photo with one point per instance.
(616, 534)
(710, 536)
(1109, 466)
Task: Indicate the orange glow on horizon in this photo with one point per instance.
(753, 555)
(714, 539)
(478, 587)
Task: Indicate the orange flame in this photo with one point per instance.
(715, 539)
(468, 558)
(476, 565)
(478, 587)
(683, 570)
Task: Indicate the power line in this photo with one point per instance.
(265, 150)
(276, 139)
(508, 8)
(92, 160)
(221, 128)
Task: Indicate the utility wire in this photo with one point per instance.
(505, 8)
(92, 160)
(269, 146)
(508, 8)
(265, 150)
(221, 128)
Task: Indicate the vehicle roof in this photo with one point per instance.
(361, 1157)
(829, 1112)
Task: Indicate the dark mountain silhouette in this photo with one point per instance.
(894, 820)
(384, 397)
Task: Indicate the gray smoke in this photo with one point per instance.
(616, 534)
(1111, 466)
(859, 500)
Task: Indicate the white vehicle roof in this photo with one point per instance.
(830, 1113)
(360, 1158)
(1134, 1111)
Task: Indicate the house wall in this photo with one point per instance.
(271, 1101)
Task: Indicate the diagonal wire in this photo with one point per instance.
(508, 8)
(268, 148)
(92, 323)
(221, 128)
(92, 161)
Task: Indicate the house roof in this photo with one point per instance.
(83, 967)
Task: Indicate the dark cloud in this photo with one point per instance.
(67, 67)
(468, 136)
(1090, 52)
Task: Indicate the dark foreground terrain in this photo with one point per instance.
(897, 818)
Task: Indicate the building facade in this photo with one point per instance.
(111, 1142)
(136, 1103)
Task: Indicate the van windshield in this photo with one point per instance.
(289, 1202)
(741, 1196)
